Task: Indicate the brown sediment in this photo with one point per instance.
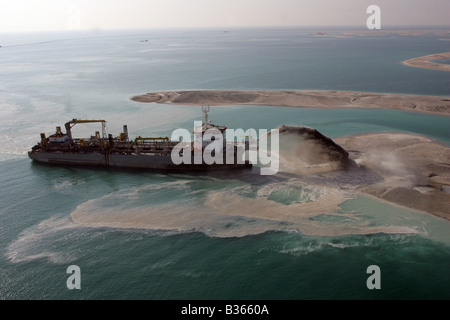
(427, 61)
(302, 98)
(413, 171)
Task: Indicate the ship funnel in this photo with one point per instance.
(125, 133)
(58, 129)
(43, 140)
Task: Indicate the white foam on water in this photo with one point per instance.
(305, 245)
(35, 242)
(15, 146)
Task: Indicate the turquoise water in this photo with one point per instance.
(195, 253)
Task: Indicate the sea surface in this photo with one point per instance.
(213, 236)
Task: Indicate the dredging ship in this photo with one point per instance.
(104, 150)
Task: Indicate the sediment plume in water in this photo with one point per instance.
(314, 169)
(231, 212)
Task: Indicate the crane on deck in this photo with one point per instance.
(70, 124)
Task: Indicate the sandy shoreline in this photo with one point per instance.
(302, 98)
(427, 61)
(415, 169)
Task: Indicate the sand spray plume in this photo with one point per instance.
(388, 165)
(306, 151)
(393, 161)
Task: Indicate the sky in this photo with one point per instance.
(55, 15)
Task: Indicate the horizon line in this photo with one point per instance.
(226, 28)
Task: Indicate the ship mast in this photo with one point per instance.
(205, 111)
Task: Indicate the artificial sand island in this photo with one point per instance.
(302, 98)
(414, 170)
(429, 61)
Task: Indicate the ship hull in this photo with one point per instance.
(139, 161)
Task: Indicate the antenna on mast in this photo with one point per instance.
(205, 110)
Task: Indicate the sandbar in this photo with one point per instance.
(428, 61)
(302, 98)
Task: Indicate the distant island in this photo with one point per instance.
(302, 98)
(429, 61)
